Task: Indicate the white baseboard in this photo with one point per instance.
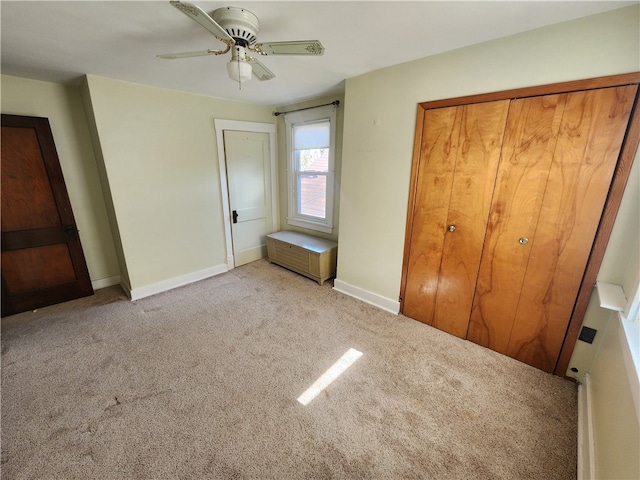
(586, 448)
(105, 282)
(368, 297)
(165, 285)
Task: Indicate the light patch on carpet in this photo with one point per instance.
(330, 375)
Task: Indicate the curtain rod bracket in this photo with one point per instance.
(335, 103)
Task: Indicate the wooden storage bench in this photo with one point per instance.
(310, 256)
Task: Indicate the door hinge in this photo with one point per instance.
(72, 232)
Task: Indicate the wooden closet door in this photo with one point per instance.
(460, 154)
(529, 146)
(559, 157)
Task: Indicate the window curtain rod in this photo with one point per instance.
(335, 102)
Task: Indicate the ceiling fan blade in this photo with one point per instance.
(298, 47)
(196, 13)
(199, 53)
(259, 70)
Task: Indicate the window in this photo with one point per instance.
(311, 145)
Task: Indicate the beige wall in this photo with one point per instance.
(615, 424)
(377, 158)
(161, 164)
(283, 163)
(615, 421)
(379, 125)
(63, 107)
(621, 262)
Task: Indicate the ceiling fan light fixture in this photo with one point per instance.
(238, 28)
(239, 70)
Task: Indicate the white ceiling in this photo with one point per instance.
(61, 41)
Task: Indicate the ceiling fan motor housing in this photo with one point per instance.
(241, 24)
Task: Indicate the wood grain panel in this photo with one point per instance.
(529, 145)
(618, 184)
(28, 201)
(538, 90)
(460, 155)
(37, 268)
(480, 143)
(524, 344)
(433, 191)
(589, 141)
(415, 168)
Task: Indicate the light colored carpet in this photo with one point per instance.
(202, 382)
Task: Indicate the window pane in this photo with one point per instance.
(313, 160)
(312, 199)
(314, 135)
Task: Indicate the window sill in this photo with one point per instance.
(319, 227)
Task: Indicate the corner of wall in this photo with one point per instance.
(391, 306)
(85, 95)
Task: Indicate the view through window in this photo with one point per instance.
(312, 181)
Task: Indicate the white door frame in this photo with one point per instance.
(270, 128)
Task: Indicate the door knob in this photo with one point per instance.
(452, 228)
(523, 241)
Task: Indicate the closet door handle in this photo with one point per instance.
(452, 228)
(523, 241)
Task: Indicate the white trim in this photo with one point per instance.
(270, 128)
(299, 222)
(230, 261)
(105, 282)
(586, 446)
(632, 309)
(371, 298)
(629, 334)
(319, 114)
(165, 285)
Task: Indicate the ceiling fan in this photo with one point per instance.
(238, 29)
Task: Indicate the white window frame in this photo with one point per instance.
(300, 118)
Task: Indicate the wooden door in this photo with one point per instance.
(249, 179)
(564, 158)
(459, 158)
(559, 157)
(42, 259)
